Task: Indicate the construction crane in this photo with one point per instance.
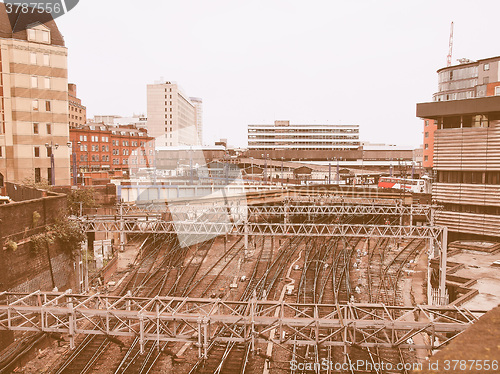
(448, 59)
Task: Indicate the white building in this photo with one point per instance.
(171, 115)
(198, 105)
(283, 135)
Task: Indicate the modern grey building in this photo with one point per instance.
(466, 157)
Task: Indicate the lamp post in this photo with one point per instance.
(191, 164)
(329, 172)
(52, 147)
(73, 164)
(265, 167)
(282, 171)
(226, 167)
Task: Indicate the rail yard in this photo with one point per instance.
(270, 282)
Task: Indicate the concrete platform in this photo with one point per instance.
(478, 265)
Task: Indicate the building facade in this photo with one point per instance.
(33, 100)
(198, 106)
(283, 135)
(112, 149)
(468, 80)
(171, 115)
(77, 115)
(137, 121)
(428, 152)
(466, 156)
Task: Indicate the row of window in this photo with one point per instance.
(36, 151)
(35, 105)
(38, 175)
(37, 35)
(477, 209)
(469, 177)
(36, 128)
(35, 82)
(75, 109)
(306, 130)
(35, 60)
(105, 139)
(465, 121)
(309, 143)
(306, 137)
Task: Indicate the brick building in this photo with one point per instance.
(77, 112)
(429, 129)
(111, 151)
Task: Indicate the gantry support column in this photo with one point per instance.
(443, 258)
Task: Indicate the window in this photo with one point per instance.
(34, 82)
(47, 106)
(486, 67)
(37, 175)
(35, 128)
(47, 83)
(1, 152)
(31, 34)
(49, 151)
(426, 146)
(34, 105)
(49, 129)
(486, 80)
(33, 58)
(426, 158)
(46, 59)
(426, 134)
(497, 91)
(104, 148)
(45, 36)
(37, 151)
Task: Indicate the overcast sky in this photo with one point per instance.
(350, 62)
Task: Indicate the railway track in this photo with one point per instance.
(327, 274)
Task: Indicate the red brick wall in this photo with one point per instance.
(490, 88)
(29, 271)
(429, 128)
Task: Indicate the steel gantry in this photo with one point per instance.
(203, 321)
(240, 210)
(197, 222)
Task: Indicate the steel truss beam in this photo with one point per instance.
(290, 209)
(202, 321)
(133, 225)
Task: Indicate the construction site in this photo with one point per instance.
(297, 280)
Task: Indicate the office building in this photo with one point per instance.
(283, 135)
(468, 80)
(33, 100)
(171, 115)
(466, 159)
